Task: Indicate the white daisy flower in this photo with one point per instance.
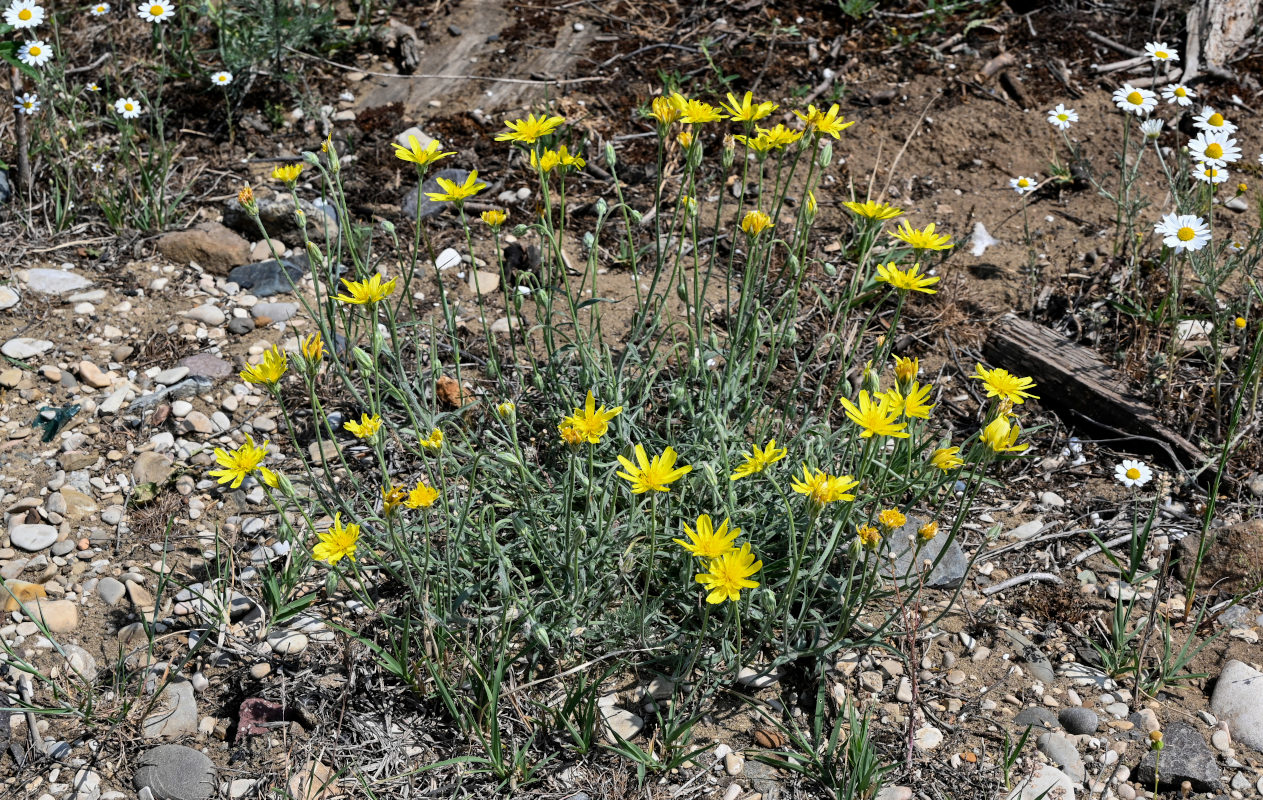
(1183, 232)
(24, 14)
(1159, 51)
(1235, 246)
(1062, 117)
(1178, 94)
(1151, 128)
(1023, 185)
(1208, 174)
(93, 87)
(127, 107)
(1214, 149)
(1135, 101)
(27, 103)
(35, 53)
(155, 11)
(100, 9)
(221, 78)
(1212, 120)
(1133, 473)
(98, 167)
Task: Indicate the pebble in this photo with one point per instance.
(32, 537)
(286, 642)
(928, 737)
(175, 772)
(1079, 720)
(447, 259)
(24, 347)
(207, 314)
(176, 715)
(621, 723)
(758, 678)
(733, 764)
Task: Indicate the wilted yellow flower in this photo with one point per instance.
(759, 460)
(655, 475)
(875, 418)
(946, 458)
(313, 348)
(824, 122)
(454, 192)
(869, 536)
(755, 222)
(246, 198)
(421, 496)
(1155, 740)
(337, 543)
(891, 518)
(685, 138)
(1001, 383)
(590, 421)
(421, 156)
(822, 488)
(873, 211)
(270, 370)
(392, 496)
(495, 218)
(372, 290)
(434, 441)
(287, 173)
(529, 130)
(906, 369)
(366, 427)
(727, 575)
(745, 109)
(572, 435)
(928, 531)
(240, 463)
(925, 239)
(909, 280)
(1001, 435)
(506, 410)
(707, 541)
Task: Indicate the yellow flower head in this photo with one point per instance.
(822, 488)
(572, 435)
(246, 198)
(908, 280)
(421, 156)
(912, 404)
(506, 410)
(755, 222)
(545, 163)
(1000, 383)
(337, 543)
(875, 418)
(906, 369)
(495, 218)
(313, 348)
(652, 476)
(1239, 322)
(270, 370)
(891, 518)
(1155, 740)
(421, 496)
(745, 109)
(667, 109)
(590, 421)
(925, 239)
(695, 112)
(373, 290)
(366, 427)
(824, 122)
(759, 460)
(240, 463)
(392, 496)
(685, 138)
(878, 212)
(454, 192)
(780, 137)
(946, 458)
(287, 173)
(759, 144)
(434, 441)
(529, 130)
(1000, 435)
(727, 575)
(869, 536)
(707, 541)
(927, 531)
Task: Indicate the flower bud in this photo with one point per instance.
(730, 151)
(830, 269)
(311, 158)
(388, 227)
(825, 157)
(602, 207)
(363, 359)
(313, 253)
(506, 411)
(611, 157)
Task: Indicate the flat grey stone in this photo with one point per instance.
(1185, 757)
(176, 715)
(267, 278)
(110, 590)
(24, 347)
(1079, 721)
(1238, 700)
(55, 281)
(1046, 782)
(1063, 753)
(175, 772)
(277, 312)
(8, 298)
(1037, 717)
(943, 551)
(33, 537)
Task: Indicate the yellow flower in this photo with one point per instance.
(759, 144)
(590, 421)
(652, 476)
(1239, 322)
(391, 498)
(927, 531)
(912, 404)
(246, 198)
(506, 410)
(925, 239)
(667, 109)
(906, 280)
(529, 130)
(366, 427)
(269, 478)
(421, 496)
(869, 536)
(337, 543)
(685, 138)
(759, 460)
(946, 458)
(891, 518)
(727, 575)
(270, 370)
(874, 211)
(434, 441)
(552, 159)
(287, 173)
(746, 110)
(755, 222)
(372, 290)
(495, 218)
(238, 464)
(780, 137)
(572, 435)
(695, 112)
(822, 488)
(1000, 383)
(825, 122)
(876, 419)
(1000, 436)
(906, 369)
(313, 348)
(707, 541)
(456, 192)
(421, 156)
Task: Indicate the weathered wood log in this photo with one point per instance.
(1073, 377)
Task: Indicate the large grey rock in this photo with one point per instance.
(1063, 753)
(175, 772)
(176, 715)
(24, 347)
(55, 281)
(1044, 783)
(1037, 717)
(1079, 721)
(949, 560)
(270, 277)
(151, 467)
(429, 208)
(1185, 757)
(276, 212)
(1238, 700)
(32, 537)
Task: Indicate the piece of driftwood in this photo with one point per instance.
(1217, 31)
(1074, 377)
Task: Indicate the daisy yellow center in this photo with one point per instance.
(1215, 119)
(1185, 234)
(1180, 91)
(1160, 53)
(1135, 99)
(1214, 150)
(128, 106)
(156, 10)
(1133, 474)
(36, 50)
(1063, 117)
(1023, 183)
(25, 14)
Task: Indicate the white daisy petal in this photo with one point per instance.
(1183, 232)
(24, 14)
(1062, 117)
(1161, 51)
(1135, 101)
(1215, 149)
(1212, 121)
